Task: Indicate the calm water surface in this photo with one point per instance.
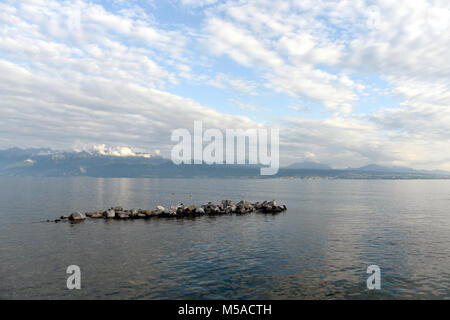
(320, 248)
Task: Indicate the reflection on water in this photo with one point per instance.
(319, 248)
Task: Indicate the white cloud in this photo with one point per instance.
(39, 110)
(224, 81)
(116, 151)
(77, 72)
(238, 43)
(198, 3)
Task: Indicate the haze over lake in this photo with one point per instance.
(319, 248)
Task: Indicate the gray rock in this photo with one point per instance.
(76, 216)
(171, 212)
(247, 204)
(199, 210)
(134, 213)
(109, 214)
(123, 215)
(157, 212)
(97, 215)
(227, 203)
(147, 213)
(180, 210)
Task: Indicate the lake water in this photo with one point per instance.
(319, 248)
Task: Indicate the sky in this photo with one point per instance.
(347, 83)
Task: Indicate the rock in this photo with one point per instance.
(247, 204)
(109, 214)
(97, 215)
(199, 210)
(240, 210)
(171, 212)
(276, 209)
(227, 203)
(134, 213)
(123, 215)
(147, 213)
(77, 216)
(180, 210)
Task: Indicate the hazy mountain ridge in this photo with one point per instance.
(46, 162)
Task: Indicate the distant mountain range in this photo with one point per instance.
(46, 162)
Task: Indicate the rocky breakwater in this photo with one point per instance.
(226, 207)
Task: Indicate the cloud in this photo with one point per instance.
(226, 38)
(252, 35)
(58, 112)
(224, 81)
(319, 50)
(115, 151)
(198, 3)
(80, 73)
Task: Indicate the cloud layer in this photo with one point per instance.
(374, 75)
